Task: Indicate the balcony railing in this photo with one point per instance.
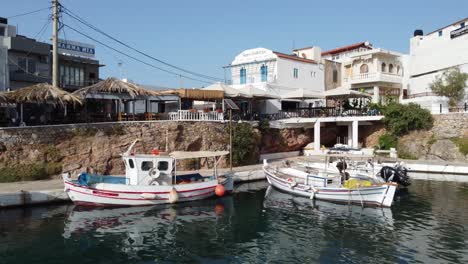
(188, 115)
(374, 77)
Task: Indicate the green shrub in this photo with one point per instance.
(387, 141)
(462, 144)
(29, 172)
(402, 118)
(244, 145)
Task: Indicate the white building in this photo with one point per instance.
(372, 70)
(277, 74)
(430, 56)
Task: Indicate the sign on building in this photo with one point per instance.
(74, 48)
(458, 32)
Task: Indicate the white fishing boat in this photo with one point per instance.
(149, 179)
(330, 187)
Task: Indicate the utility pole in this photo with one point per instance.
(55, 63)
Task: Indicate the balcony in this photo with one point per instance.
(374, 77)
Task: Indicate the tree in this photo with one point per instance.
(451, 84)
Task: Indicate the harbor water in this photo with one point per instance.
(427, 224)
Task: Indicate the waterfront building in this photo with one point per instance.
(278, 74)
(27, 60)
(362, 67)
(78, 66)
(430, 56)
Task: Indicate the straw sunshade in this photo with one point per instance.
(42, 93)
(3, 98)
(115, 86)
(196, 94)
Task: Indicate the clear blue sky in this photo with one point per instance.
(203, 36)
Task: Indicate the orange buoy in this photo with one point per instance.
(219, 190)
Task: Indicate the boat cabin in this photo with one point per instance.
(141, 169)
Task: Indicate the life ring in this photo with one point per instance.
(154, 173)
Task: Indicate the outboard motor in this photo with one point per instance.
(398, 174)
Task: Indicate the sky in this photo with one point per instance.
(203, 36)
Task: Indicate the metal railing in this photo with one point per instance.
(189, 115)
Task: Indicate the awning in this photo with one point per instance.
(255, 92)
(226, 89)
(200, 94)
(342, 92)
(197, 154)
(302, 94)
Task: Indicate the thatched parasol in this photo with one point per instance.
(3, 98)
(42, 93)
(115, 86)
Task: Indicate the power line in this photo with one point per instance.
(76, 17)
(31, 12)
(134, 58)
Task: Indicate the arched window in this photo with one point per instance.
(384, 67)
(335, 75)
(390, 68)
(264, 72)
(243, 76)
(364, 68)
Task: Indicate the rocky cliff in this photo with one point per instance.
(447, 140)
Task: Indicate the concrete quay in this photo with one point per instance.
(51, 191)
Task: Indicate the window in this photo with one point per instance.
(131, 164)
(264, 72)
(390, 68)
(2, 31)
(242, 76)
(146, 165)
(163, 165)
(364, 68)
(71, 75)
(22, 64)
(462, 24)
(312, 74)
(384, 67)
(335, 75)
(398, 70)
(440, 33)
(295, 73)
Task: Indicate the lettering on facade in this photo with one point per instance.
(75, 48)
(458, 32)
(254, 53)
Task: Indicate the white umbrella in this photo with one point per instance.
(342, 92)
(255, 92)
(302, 94)
(228, 90)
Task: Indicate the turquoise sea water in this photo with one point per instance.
(427, 224)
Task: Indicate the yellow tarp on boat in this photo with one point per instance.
(355, 183)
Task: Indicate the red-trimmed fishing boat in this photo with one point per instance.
(149, 179)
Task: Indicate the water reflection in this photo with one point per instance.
(427, 224)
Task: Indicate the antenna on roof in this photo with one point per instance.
(293, 45)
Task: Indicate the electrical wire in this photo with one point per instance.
(31, 12)
(76, 17)
(134, 58)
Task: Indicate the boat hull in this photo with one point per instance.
(372, 196)
(103, 194)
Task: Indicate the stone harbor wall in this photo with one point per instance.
(97, 147)
(447, 140)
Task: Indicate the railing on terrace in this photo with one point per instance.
(188, 115)
(373, 77)
(416, 95)
(308, 113)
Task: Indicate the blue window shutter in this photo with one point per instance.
(264, 72)
(242, 76)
